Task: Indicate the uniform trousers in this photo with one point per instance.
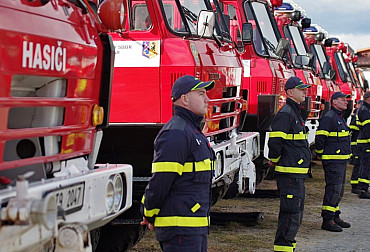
(185, 243)
(292, 196)
(356, 161)
(335, 176)
(364, 176)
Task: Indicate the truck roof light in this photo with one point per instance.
(276, 3)
(342, 47)
(284, 7)
(311, 29)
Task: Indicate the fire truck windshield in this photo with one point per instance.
(297, 46)
(319, 53)
(265, 38)
(342, 68)
(352, 73)
(182, 16)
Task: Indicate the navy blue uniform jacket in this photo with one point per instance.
(288, 145)
(178, 197)
(333, 140)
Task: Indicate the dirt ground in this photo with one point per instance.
(236, 237)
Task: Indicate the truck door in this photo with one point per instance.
(136, 86)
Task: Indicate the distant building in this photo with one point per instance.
(363, 60)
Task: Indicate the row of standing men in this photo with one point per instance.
(177, 200)
(290, 154)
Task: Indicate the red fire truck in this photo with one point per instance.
(266, 65)
(287, 17)
(56, 75)
(161, 41)
(336, 55)
(350, 58)
(314, 38)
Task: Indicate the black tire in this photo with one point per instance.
(94, 236)
(119, 238)
(233, 189)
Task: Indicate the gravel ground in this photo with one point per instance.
(310, 238)
(355, 211)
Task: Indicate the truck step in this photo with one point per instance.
(125, 221)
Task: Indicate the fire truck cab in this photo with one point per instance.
(336, 54)
(315, 36)
(287, 17)
(266, 66)
(56, 75)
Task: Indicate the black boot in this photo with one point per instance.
(330, 225)
(341, 222)
(355, 189)
(364, 194)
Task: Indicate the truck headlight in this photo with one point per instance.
(109, 196)
(118, 192)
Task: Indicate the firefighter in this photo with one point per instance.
(356, 157)
(363, 143)
(333, 146)
(177, 199)
(290, 154)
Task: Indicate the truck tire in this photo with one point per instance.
(119, 238)
(233, 189)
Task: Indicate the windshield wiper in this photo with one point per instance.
(189, 14)
(270, 46)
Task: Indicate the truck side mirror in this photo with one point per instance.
(302, 60)
(306, 23)
(247, 33)
(328, 42)
(205, 24)
(112, 14)
(282, 48)
(326, 67)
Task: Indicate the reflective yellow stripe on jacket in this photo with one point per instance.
(363, 123)
(300, 136)
(363, 141)
(297, 170)
(180, 221)
(332, 133)
(353, 127)
(336, 156)
(149, 213)
(205, 165)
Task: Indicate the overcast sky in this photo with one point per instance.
(349, 20)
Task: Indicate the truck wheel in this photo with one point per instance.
(233, 189)
(94, 237)
(119, 238)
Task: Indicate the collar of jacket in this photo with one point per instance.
(337, 111)
(190, 116)
(295, 105)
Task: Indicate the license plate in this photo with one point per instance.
(70, 198)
